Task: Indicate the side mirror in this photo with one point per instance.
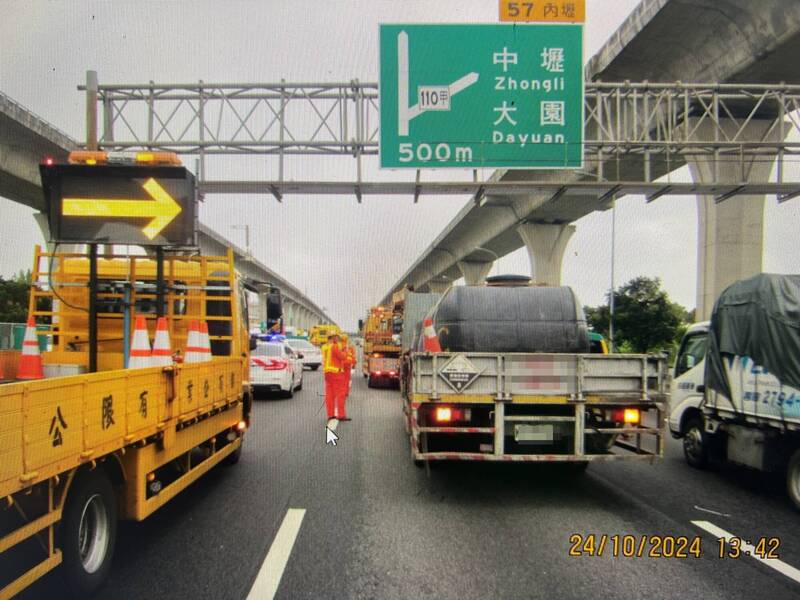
(299, 355)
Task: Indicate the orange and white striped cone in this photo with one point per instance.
(430, 339)
(30, 362)
(206, 345)
(162, 349)
(140, 354)
(194, 344)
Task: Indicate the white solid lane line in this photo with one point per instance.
(774, 563)
(269, 576)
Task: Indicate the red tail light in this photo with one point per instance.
(270, 364)
(629, 416)
(448, 414)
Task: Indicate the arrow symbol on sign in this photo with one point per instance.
(163, 208)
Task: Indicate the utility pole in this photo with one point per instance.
(612, 346)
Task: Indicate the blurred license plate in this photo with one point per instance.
(534, 433)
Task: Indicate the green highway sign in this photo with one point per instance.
(471, 96)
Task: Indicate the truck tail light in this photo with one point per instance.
(450, 414)
(631, 416)
(444, 414)
(628, 416)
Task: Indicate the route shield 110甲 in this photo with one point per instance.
(472, 96)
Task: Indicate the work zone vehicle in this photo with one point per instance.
(318, 334)
(515, 381)
(381, 362)
(736, 384)
(79, 449)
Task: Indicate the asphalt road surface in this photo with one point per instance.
(375, 526)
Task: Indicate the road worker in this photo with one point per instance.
(332, 366)
(343, 379)
(351, 359)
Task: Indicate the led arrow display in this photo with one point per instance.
(162, 208)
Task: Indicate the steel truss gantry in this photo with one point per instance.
(635, 133)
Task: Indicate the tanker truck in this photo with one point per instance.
(736, 384)
(504, 372)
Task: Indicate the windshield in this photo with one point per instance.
(268, 350)
(300, 344)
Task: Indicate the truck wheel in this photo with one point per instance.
(793, 479)
(88, 532)
(695, 444)
(233, 457)
(370, 383)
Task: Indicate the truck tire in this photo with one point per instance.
(233, 457)
(793, 478)
(370, 383)
(88, 532)
(695, 443)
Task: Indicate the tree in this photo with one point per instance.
(645, 319)
(14, 298)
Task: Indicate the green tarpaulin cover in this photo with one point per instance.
(760, 318)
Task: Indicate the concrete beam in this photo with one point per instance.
(546, 244)
(730, 238)
(474, 272)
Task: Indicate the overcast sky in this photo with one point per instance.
(344, 255)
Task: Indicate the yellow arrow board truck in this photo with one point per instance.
(319, 333)
(80, 450)
(381, 347)
(506, 374)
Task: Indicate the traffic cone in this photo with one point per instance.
(206, 341)
(194, 344)
(430, 339)
(140, 354)
(162, 351)
(30, 362)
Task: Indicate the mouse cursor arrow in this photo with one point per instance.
(330, 436)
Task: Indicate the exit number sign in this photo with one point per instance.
(554, 11)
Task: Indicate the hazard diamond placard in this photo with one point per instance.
(459, 373)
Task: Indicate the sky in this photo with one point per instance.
(345, 256)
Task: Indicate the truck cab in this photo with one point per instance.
(687, 380)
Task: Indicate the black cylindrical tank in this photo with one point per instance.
(511, 319)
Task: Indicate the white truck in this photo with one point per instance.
(736, 381)
(516, 381)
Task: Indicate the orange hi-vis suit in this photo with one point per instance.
(343, 380)
(352, 361)
(333, 365)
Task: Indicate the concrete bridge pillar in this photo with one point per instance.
(262, 307)
(474, 272)
(288, 313)
(439, 287)
(730, 236)
(546, 244)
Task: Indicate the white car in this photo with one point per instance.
(311, 355)
(275, 367)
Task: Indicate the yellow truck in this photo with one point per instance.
(381, 363)
(80, 450)
(319, 333)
